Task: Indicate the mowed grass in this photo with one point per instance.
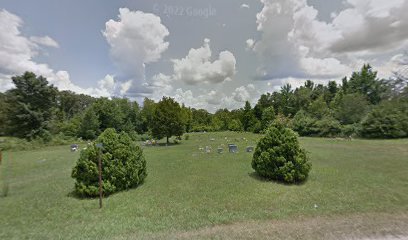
(187, 190)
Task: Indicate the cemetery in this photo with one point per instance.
(267, 119)
(192, 186)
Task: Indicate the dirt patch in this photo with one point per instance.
(355, 227)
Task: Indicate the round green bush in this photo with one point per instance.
(123, 165)
(278, 156)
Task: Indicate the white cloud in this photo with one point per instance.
(187, 98)
(295, 43)
(45, 41)
(17, 53)
(244, 5)
(371, 25)
(161, 85)
(250, 43)
(245, 93)
(136, 39)
(197, 68)
(212, 100)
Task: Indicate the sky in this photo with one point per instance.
(206, 54)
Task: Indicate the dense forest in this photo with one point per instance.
(361, 106)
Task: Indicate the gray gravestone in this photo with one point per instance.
(232, 148)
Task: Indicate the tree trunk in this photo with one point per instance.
(167, 140)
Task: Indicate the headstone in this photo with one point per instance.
(250, 149)
(220, 150)
(232, 148)
(207, 149)
(74, 147)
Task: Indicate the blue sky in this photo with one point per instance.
(205, 54)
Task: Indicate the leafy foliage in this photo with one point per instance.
(387, 120)
(278, 156)
(89, 128)
(350, 108)
(34, 109)
(167, 119)
(31, 106)
(123, 165)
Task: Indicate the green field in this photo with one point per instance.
(190, 194)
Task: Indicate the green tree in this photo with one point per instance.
(304, 124)
(235, 125)
(318, 108)
(135, 117)
(187, 116)
(350, 108)
(110, 113)
(201, 120)
(32, 102)
(366, 83)
(124, 166)
(147, 113)
(71, 104)
(286, 101)
(268, 115)
(221, 119)
(90, 125)
(303, 96)
(248, 118)
(387, 120)
(330, 92)
(278, 156)
(167, 119)
(3, 114)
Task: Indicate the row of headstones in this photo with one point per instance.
(232, 148)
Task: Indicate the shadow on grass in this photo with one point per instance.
(259, 178)
(76, 195)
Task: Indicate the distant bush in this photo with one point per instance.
(306, 125)
(235, 126)
(328, 127)
(201, 128)
(387, 120)
(186, 137)
(303, 124)
(350, 130)
(278, 156)
(123, 165)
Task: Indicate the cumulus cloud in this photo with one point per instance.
(45, 41)
(135, 39)
(17, 53)
(245, 93)
(161, 85)
(295, 43)
(16, 56)
(197, 68)
(375, 25)
(244, 5)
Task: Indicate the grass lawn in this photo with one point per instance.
(189, 192)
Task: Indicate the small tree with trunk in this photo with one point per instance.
(167, 119)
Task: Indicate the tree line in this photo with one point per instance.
(361, 105)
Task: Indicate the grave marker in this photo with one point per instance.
(232, 148)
